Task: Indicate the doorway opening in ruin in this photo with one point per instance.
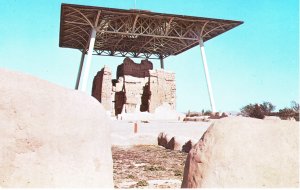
(145, 98)
(119, 102)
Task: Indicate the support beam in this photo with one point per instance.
(211, 97)
(89, 60)
(143, 34)
(80, 70)
(161, 62)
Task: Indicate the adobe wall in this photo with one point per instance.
(137, 87)
(102, 88)
(162, 86)
(129, 67)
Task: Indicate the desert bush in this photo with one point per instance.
(292, 112)
(193, 114)
(188, 113)
(130, 176)
(295, 106)
(257, 112)
(247, 110)
(177, 172)
(207, 112)
(142, 183)
(154, 168)
(198, 114)
(296, 117)
(253, 110)
(267, 108)
(286, 113)
(224, 115)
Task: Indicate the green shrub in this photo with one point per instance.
(257, 112)
(267, 108)
(207, 112)
(177, 173)
(198, 114)
(288, 113)
(292, 112)
(130, 176)
(154, 168)
(142, 183)
(254, 111)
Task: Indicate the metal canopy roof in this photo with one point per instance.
(135, 33)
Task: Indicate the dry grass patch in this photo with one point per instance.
(135, 166)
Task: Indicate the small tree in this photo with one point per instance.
(295, 106)
(188, 113)
(267, 108)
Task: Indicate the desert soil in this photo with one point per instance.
(147, 166)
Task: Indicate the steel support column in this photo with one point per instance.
(80, 70)
(89, 60)
(162, 63)
(211, 97)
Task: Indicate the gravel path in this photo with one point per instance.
(147, 166)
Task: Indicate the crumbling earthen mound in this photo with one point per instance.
(51, 136)
(245, 152)
(162, 139)
(172, 142)
(188, 146)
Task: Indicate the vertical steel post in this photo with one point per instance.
(211, 96)
(161, 62)
(80, 70)
(89, 60)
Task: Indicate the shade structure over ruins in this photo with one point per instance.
(135, 33)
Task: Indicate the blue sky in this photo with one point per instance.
(257, 61)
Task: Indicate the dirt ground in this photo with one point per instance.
(147, 166)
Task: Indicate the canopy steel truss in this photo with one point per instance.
(135, 33)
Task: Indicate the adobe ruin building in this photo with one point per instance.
(137, 87)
